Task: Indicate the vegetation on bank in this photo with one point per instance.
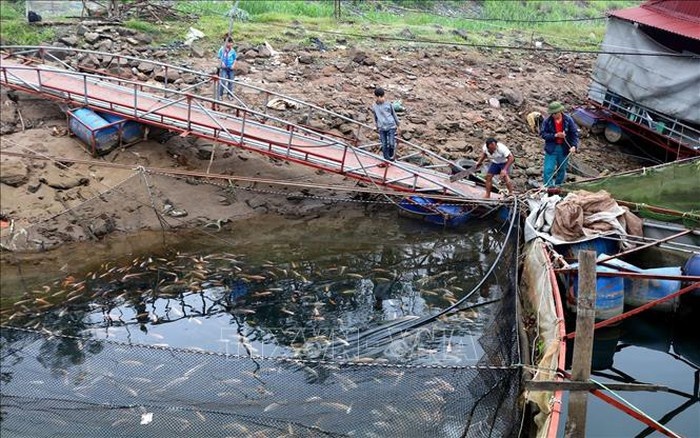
(565, 25)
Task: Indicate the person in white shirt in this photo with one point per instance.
(501, 162)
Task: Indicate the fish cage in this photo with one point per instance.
(87, 357)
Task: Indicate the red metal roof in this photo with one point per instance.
(681, 17)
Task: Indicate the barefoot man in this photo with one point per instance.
(501, 161)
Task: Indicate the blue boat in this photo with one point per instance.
(100, 135)
(692, 267)
(130, 131)
(435, 212)
(448, 214)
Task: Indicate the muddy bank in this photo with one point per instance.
(453, 97)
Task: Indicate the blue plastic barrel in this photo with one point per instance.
(610, 294)
(600, 245)
(692, 267)
(92, 130)
(642, 291)
(131, 131)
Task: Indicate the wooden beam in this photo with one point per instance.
(583, 345)
(555, 385)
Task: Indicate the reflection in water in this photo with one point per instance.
(287, 300)
(217, 340)
(650, 348)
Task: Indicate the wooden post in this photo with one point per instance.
(583, 345)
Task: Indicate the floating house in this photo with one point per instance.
(646, 83)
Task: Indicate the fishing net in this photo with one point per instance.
(96, 356)
(673, 186)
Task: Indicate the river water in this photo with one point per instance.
(278, 290)
(655, 348)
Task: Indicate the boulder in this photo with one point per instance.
(145, 67)
(161, 75)
(305, 58)
(104, 45)
(61, 179)
(91, 37)
(197, 51)
(514, 97)
(13, 173)
(241, 68)
(70, 40)
(81, 30)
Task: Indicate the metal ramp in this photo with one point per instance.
(40, 71)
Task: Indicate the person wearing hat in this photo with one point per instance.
(560, 135)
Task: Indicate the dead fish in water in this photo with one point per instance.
(235, 426)
(338, 406)
(440, 385)
(243, 311)
(345, 382)
(265, 293)
(271, 407)
(354, 275)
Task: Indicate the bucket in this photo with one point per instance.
(93, 130)
(130, 130)
(610, 294)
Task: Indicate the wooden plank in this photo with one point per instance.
(555, 385)
(462, 174)
(583, 346)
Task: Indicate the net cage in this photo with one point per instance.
(63, 380)
(671, 186)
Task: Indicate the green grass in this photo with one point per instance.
(274, 21)
(20, 33)
(11, 10)
(143, 26)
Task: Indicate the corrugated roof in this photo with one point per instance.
(675, 16)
